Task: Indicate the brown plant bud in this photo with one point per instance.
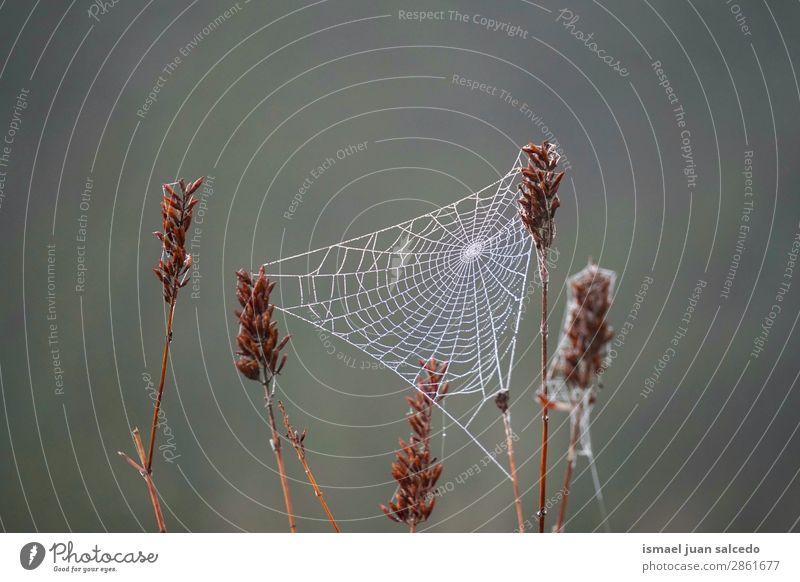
(538, 199)
(501, 400)
(176, 215)
(586, 332)
(414, 468)
(259, 352)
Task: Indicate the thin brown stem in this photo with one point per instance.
(571, 453)
(276, 447)
(148, 479)
(164, 359)
(412, 527)
(513, 466)
(297, 442)
(545, 414)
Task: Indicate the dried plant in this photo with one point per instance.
(297, 439)
(587, 332)
(537, 207)
(173, 272)
(148, 478)
(415, 469)
(538, 199)
(259, 356)
(580, 355)
(502, 401)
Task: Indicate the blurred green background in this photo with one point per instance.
(255, 95)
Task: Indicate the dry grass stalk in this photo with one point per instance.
(537, 207)
(148, 479)
(502, 400)
(415, 469)
(581, 354)
(173, 272)
(260, 357)
(297, 439)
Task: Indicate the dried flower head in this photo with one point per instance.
(259, 345)
(538, 199)
(176, 212)
(502, 399)
(414, 469)
(586, 331)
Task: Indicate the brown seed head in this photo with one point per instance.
(176, 213)
(259, 345)
(538, 199)
(415, 469)
(501, 400)
(586, 331)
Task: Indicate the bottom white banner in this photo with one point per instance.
(400, 557)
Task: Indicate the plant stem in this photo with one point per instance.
(571, 452)
(164, 359)
(412, 527)
(276, 447)
(301, 454)
(513, 466)
(545, 414)
(317, 491)
(148, 479)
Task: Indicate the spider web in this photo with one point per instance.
(447, 285)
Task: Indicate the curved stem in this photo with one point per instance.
(164, 359)
(513, 466)
(148, 479)
(301, 455)
(276, 447)
(571, 453)
(318, 492)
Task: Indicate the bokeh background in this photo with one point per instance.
(255, 95)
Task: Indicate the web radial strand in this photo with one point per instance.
(447, 285)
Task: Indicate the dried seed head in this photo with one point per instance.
(538, 199)
(176, 214)
(501, 400)
(586, 332)
(260, 354)
(415, 469)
